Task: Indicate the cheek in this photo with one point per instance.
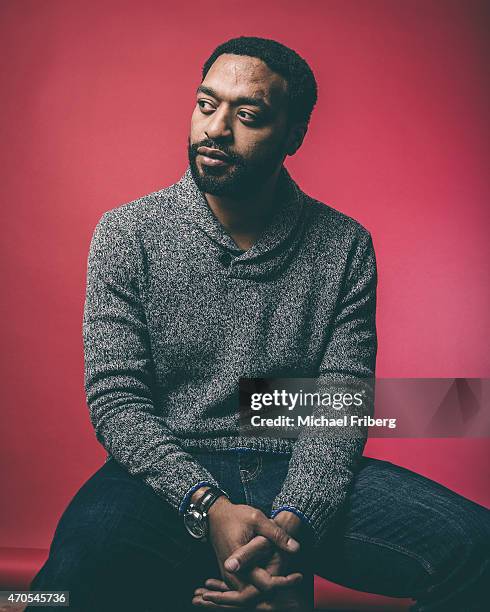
(196, 123)
(249, 140)
(262, 145)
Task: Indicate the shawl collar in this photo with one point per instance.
(273, 248)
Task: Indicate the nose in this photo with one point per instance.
(218, 126)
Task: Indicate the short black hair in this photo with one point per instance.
(302, 87)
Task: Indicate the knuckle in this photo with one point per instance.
(255, 515)
(279, 534)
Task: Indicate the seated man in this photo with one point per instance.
(235, 272)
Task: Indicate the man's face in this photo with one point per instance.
(239, 127)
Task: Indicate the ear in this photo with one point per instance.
(297, 132)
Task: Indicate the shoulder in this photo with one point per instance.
(137, 217)
(342, 246)
(326, 217)
(340, 237)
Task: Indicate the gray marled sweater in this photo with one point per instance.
(175, 313)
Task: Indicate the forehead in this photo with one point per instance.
(235, 76)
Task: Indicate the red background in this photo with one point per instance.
(96, 104)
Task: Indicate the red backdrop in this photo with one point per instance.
(96, 104)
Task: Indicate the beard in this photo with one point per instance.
(240, 178)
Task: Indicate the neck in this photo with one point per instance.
(245, 218)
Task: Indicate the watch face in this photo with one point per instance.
(195, 523)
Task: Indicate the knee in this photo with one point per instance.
(461, 553)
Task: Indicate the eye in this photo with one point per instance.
(247, 115)
(205, 106)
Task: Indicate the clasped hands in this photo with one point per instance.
(254, 554)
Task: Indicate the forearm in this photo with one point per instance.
(325, 460)
(318, 491)
(119, 370)
(140, 442)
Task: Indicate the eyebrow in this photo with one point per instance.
(241, 100)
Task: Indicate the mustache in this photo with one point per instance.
(208, 142)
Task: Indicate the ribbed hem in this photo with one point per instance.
(177, 486)
(188, 495)
(295, 511)
(267, 445)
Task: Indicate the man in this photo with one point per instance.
(235, 272)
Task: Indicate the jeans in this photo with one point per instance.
(119, 546)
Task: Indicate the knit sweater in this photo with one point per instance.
(175, 313)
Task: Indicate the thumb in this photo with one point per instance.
(276, 534)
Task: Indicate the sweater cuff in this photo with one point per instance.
(311, 511)
(307, 529)
(187, 497)
(295, 511)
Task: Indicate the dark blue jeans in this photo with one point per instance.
(118, 546)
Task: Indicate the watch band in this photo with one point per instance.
(208, 498)
(198, 511)
(204, 501)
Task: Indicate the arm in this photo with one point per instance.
(119, 375)
(322, 463)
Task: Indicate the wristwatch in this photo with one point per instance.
(196, 515)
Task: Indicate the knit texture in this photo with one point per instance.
(176, 312)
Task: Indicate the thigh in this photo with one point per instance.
(399, 532)
(118, 543)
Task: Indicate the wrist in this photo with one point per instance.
(219, 502)
(220, 505)
(205, 503)
(288, 521)
(198, 493)
(291, 523)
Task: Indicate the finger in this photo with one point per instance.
(236, 598)
(254, 550)
(233, 581)
(210, 585)
(265, 583)
(216, 585)
(276, 534)
(200, 602)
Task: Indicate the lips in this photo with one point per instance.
(213, 157)
(213, 153)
